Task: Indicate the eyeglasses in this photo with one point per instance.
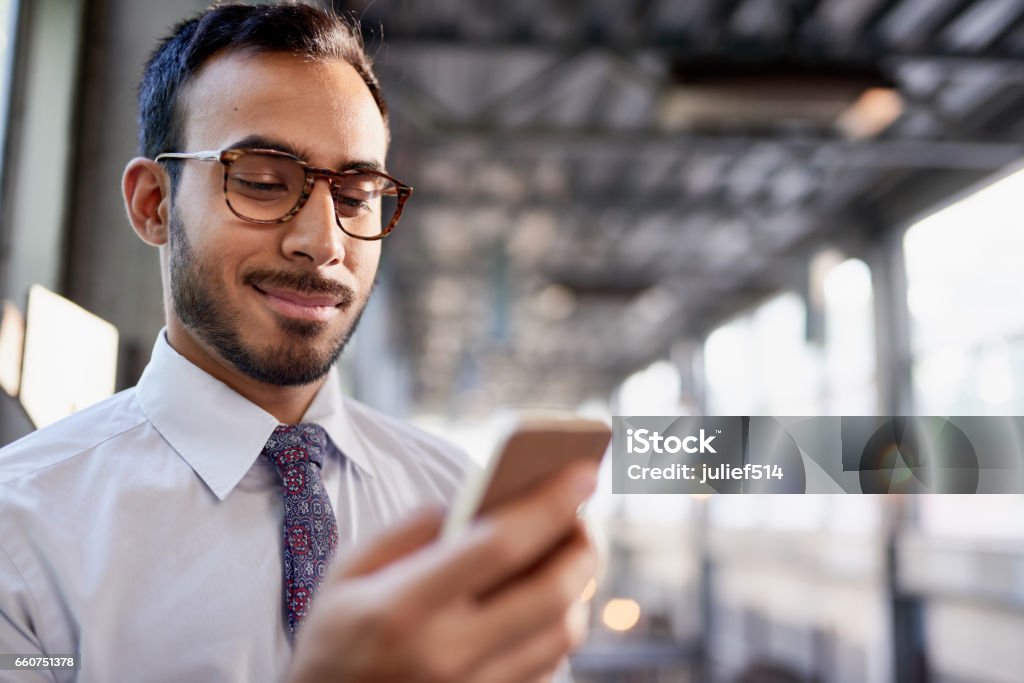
(269, 186)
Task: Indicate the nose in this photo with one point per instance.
(313, 235)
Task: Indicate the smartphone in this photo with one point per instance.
(532, 451)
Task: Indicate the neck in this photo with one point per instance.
(286, 404)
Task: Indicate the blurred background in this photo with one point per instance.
(639, 207)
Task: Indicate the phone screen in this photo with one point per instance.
(532, 452)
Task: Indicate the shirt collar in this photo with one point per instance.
(217, 431)
(329, 411)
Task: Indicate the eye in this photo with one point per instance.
(352, 207)
(258, 186)
(353, 202)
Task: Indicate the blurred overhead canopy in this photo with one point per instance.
(643, 168)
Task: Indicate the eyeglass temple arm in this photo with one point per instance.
(199, 156)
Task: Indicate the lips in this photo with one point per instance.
(304, 306)
(301, 299)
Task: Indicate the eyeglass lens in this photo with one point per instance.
(264, 187)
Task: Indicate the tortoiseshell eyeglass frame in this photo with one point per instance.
(228, 156)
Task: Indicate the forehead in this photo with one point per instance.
(322, 107)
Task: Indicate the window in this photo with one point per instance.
(8, 26)
(760, 363)
(967, 328)
(850, 366)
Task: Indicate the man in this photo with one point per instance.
(181, 530)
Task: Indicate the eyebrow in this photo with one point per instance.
(262, 142)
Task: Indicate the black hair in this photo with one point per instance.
(293, 28)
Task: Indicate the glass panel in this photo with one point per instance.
(850, 340)
(760, 364)
(963, 272)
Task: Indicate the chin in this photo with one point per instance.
(304, 329)
(285, 365)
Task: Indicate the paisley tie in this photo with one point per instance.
(310, 530)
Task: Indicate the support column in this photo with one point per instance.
(892, 324)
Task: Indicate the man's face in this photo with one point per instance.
(276, 302)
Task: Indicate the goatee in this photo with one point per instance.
(296, 360)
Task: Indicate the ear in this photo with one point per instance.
(147, 198)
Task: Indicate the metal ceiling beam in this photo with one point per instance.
(801, 16)
(980, 155)
(1010, 66)
(953, 12)
(874, 19)
(493, 108)
(1009, 29)
(592, 202)
(921, 195)
(674, 46)
(720, 16)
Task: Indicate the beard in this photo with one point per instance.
(302, 357)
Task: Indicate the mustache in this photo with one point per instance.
(302, 283)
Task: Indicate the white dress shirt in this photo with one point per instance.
(143, 534)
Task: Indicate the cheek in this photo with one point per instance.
(193, 180)
(200, 195)
(364, 260)
(216, 238)
(218, 253)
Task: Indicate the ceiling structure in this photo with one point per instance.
(597, 179)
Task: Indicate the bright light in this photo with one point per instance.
(963, 274)
(588, 592)
(994, 379)
(70, 358)
(12, 345)
(963, 265)
(651, 391)
(555, 302)
(760, 363)
(850, 363)
(621, 614)
(875, 111)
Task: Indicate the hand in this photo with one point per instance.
(496, 605)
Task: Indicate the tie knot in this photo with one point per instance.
(290, 444)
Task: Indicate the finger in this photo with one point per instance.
(538, 656)
(416, 531)
(478, 632)
(538, 599)
(503, 544)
